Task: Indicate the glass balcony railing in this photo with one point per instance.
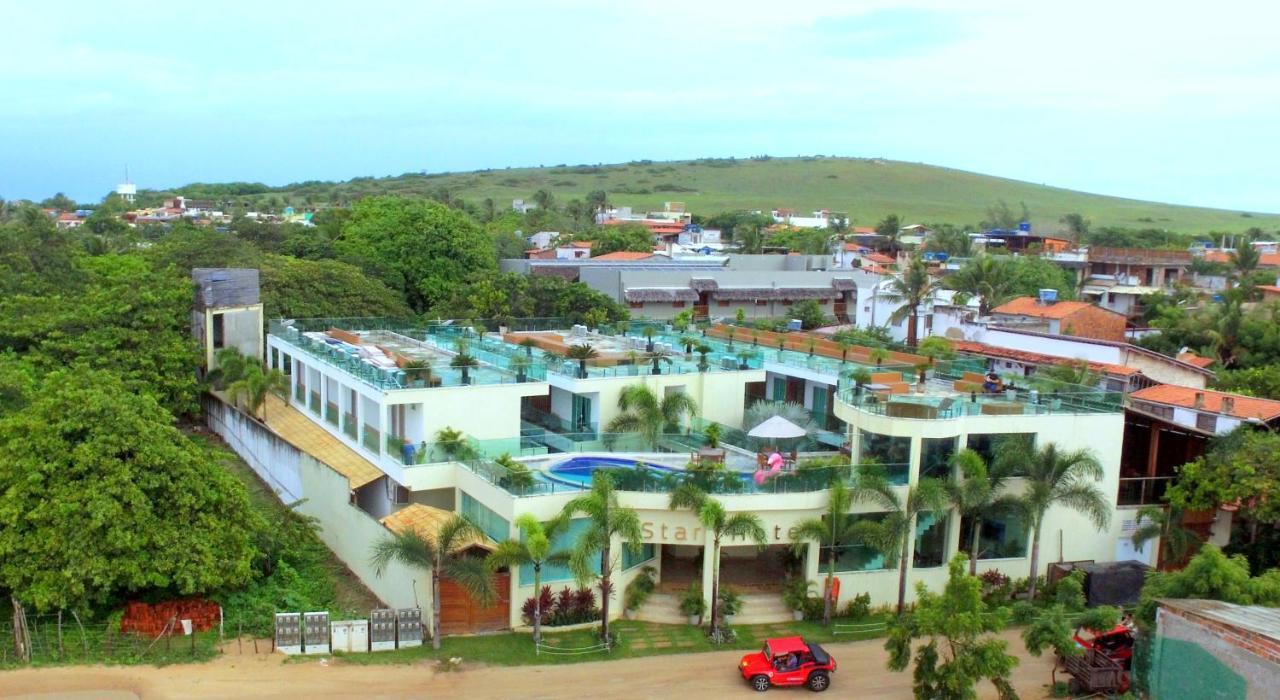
(1143, 491)
(940, 401)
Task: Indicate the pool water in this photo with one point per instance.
(576, 471)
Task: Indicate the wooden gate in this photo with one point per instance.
(459, 614)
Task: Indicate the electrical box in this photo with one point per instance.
(289, 633)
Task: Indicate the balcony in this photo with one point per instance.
(939, 399)
(1143, 490)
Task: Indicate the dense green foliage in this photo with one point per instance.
(512, 295)
(293, 288)
(1209, 575)
(1238, 469)
(958, 650)
(99, 496)
(419, 247)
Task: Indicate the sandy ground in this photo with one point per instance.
(861, 674)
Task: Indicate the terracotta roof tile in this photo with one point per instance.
(1037, 358)
(426, 521)
(1193, 359)
(624, 255)
(1222, 256)
(1030, 306)
(880, 258)
(1185, 397)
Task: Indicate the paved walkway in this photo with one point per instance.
(861, 674)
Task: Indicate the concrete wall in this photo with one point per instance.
(719, 394)
(294, 475)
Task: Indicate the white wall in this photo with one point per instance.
(294, 475)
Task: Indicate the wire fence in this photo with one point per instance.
(541, 647)
(53, 639)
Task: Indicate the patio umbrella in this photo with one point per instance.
(777, 428)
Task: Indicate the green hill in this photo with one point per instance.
(867, 189)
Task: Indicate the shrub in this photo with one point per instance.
(859, 607)
(568, 607)
(546, 600)
(691, 602)
(638, 591)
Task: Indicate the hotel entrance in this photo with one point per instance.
(747, 569)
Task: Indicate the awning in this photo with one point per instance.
(778, 428)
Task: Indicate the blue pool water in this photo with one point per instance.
(576, 471)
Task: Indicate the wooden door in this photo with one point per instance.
(459, 614)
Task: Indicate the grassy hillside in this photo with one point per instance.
(867, 189)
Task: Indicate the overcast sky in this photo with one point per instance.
(1168, 101)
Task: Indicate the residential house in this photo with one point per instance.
(1046, 315)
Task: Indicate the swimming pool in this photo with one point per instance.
(576, 471)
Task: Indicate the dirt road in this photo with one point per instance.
(861, 674)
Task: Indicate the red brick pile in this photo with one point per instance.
(152, 618)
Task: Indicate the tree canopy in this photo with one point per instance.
(422, 248)
(100, 497)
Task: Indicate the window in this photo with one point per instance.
(762, 302)
(677, 304)
(219, 331)
(629, 560)
(858, 557)
(787, 302)
(935, 457)
(991, 445)
(893, 454)
(492, 524)
(637, 304)
(1002, 537)
(931, 540)
(722, 302)
(1207, 422)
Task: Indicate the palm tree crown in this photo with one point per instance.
(835, 528)
(533, 549)
(985, 277)
(975, 491)
(891, 535)
(913, 287)
(606, 519)
(644, 413)
(719, 524)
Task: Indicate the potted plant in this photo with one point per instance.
(712, 433)
(638, 591)
(417, 371)
(741, 316)
(782, 344)
(520, 364)
(730, 604)
(703, 349)
(861, 376)
(879, 355)
(743, 357)
(581, 353)
(692, 605)
(688, 341)
(795, 592)
(648, 334)
(634, 358)
(755, 336)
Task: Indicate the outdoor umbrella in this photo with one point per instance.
(777, 428)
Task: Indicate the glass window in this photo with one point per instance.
(629, 560)
(552, 573)
(858, 556)
(1001, 537)
(931, 540)
(493, 525)
(935, 457)
(990, 445)
(890, 452)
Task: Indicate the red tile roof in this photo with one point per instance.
(623, 255)
(1193, 359)
(577, 244)
(863, 229)
(1036, 358)
(875, 269)
(1030, 306)
(880, 258)
(1185, 397)
(1269, 290)
(1222, 256)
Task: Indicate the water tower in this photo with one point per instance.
(127, 190)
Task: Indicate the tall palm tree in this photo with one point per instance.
(986, 277)
(913, 287)
(891, 535)
(644, 413)
(440, 553)
(534, 550)
(720, 524)
(1057, 477)
(231, 365)
(581, 352)
(836, 527)
(1244, 261)
(1176, 540)
(975, 493)
(606, 519)
(254, 385)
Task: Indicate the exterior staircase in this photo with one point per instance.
(757, 609)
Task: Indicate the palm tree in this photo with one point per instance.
(520, 364)
(1057, 477)
(648, 334)
(605, 521)
(454, 444)
(581, 352)
(911, 288)
(528, 344)
(418, 370)
(836, 527)
(1176, 540)
(720, 524)
(231, 365)
(892, 534)
(644, 413)
(253, 386)
(1244, 261)
(534, 550)
(518, 476)
(860, 376)
(845, 343)
(657, 359)
(688, 341)
(702, 350)
(986, 277)
(464, 361)
(978, 494)
(441, 554)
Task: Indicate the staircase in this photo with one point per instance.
(757, 609)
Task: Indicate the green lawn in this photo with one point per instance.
(866, 188)
(635, 639)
